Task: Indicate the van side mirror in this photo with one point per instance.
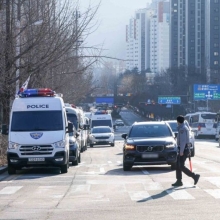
(70, 127)
(4, 129)
(85, 127)
(124, 136)
(77, 134)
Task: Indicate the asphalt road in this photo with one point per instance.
(99, 189)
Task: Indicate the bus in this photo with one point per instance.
(202, 123)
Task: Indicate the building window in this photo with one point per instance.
(215, 53)
(216, 18)
(215, 62)
(216, 36)
(216, 27)
(215, 1)
(215, 44)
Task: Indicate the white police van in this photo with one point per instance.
(38, 131)
(101, 120)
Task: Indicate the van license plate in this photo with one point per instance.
(36, 159)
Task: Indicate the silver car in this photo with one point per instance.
(101, 135)
(173, 124)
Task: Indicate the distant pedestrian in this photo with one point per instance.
(182, 142)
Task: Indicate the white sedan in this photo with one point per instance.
(101, 135)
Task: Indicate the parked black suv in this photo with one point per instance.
(149, 143)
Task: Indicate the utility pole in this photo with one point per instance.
(18, 43)
(6, 95)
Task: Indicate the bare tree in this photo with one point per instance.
(43, 38)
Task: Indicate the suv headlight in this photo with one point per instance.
(170, 146)
(59, 144)
(12, 145)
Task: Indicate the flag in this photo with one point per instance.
(24, 86)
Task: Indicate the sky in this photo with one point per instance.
(112, 18)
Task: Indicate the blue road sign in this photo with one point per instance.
(169, 100)
(208, 91)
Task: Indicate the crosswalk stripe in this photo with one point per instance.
(141, 195)
(145, 172)
(179, 194)
(213, 192)
(10, 190)
(102, 170)
(214, 180)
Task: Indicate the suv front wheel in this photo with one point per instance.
(126, 167)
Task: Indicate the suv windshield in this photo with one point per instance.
(150, 130)
(173, 126)
(37, 121)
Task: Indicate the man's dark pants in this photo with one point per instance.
(181, 168)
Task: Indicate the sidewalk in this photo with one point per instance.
(3, 169)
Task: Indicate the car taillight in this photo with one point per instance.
(199, 128)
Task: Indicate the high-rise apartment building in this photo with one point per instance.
(147, 37)
(187, 34)
(212, 42)
(163, 34)
(138, 40)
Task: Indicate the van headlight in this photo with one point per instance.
(13, 145)
(59, 144)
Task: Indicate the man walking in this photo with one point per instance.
(182, 141)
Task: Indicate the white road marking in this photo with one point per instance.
(81, 188)
(214, 180)
(119, 162)
(141, 195)
(179, 194)
(102, 170)
(214, 193)
(109, 162)
(145, 172)
(10, 190)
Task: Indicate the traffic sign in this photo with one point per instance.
(207, 92)
(169, 100)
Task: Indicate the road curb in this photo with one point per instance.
(3, 169)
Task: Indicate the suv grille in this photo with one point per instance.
(36, 150)
(149, 148)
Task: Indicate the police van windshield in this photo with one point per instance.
(37, 121)
(101, 123)
(72, 118)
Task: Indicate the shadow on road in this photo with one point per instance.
(136, 171)
(37, 173)
(164, 193)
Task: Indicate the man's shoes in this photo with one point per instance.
(177, 183)
(196, 179)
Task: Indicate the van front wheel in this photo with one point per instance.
(11, 170)
(64, 168)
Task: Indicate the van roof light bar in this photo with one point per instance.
(42, 92)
